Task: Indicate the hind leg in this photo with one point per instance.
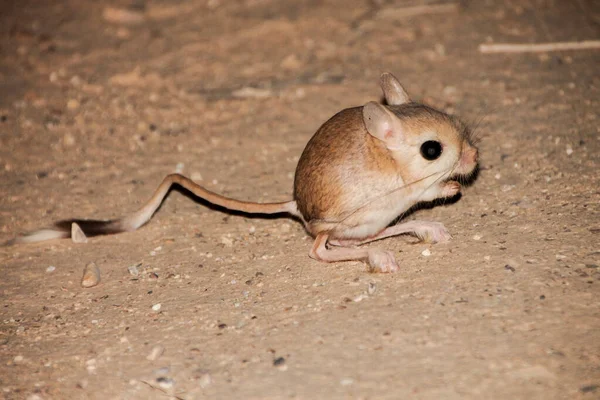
(431, 232)
(378, 260)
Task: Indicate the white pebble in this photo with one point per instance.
(426, 253)
(371, 289)
(360, 298)
(204, 380)
(133, 270)
(156, 307)
(569, 150)
(77, 234)
(346, 381)
(252, 229)
(196, 176)
(51, 268)
(476, 237)
(156, 352)
(18, 359)
(179, 168)
(165, 383)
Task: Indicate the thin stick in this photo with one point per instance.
(404, 12)
(538, 48)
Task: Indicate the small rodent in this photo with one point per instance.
(364, 168)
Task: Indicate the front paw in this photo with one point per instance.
(450, 189)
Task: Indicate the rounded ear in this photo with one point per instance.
(382, 124)
(392, 90)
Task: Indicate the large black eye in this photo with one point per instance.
(431, 149)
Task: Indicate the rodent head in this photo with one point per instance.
(426, 143)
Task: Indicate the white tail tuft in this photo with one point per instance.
(42, 235)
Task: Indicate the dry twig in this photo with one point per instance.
(538, 48)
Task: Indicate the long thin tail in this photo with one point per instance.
(133, 221)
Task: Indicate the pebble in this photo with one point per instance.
(122, 16)
(133, 270)
(51, 268)
(227, 241)
(156, 352)
(426, 253)
(91, 276)
(90, 365)
(77, 234)
(179, 168)
(156, 307)
(291, 63)
(371, 289)
(476, 237)
(204, 380)
(360, 298)
(165, 383)
(279, 362)
(249, 92)
(18, 359)
(346, 381)
(569, 150)
(73, 104)
(68, 140)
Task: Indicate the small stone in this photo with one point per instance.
(90, 365)
(156, 352)
(18, 359)
(279, 362)
(51, 268)
(122, 16)
(77, 234)
(589, 388)
(569, 150)
(291, 63)
(165, 383)
(204, 380)
(346, 381)
(285, 228)
(133, 270)
(179, 168)
(73, 104)
(91, 276)
(156, 307)
(249, 92)
(227, 241)
(196, 176)
(509, 268)
(252, 229)
(68, 140)
(360, 298)
(476, 237)
(371, 289)
(426, 253)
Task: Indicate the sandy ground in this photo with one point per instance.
(98, 105)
